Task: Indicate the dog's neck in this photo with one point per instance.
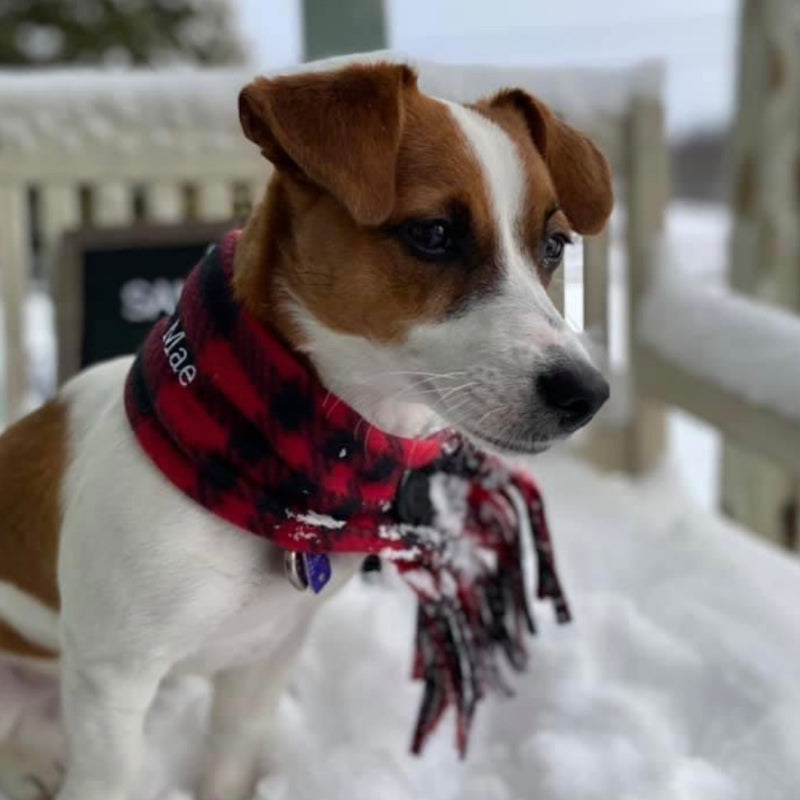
(356, 370)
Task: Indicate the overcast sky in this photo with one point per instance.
(696, 38)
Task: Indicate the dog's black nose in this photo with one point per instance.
(575, 391)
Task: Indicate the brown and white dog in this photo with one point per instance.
(405, 244)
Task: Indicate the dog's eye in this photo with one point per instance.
(553, 251)
(429, 238)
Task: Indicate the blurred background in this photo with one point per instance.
(696, 45)
(120, 157)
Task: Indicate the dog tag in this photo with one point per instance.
(318, 570)
(307, 569)
(295, 569)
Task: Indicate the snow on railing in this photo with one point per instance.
(726, 358)
(745, 347)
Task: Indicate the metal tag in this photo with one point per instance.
(294, 567)
(304, 570)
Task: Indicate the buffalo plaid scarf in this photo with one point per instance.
(240, 423)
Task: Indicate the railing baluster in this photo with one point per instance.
(113, 203)
(14, 271)
(595, 289)
(60, 212)
(216, 200)
(165, 202)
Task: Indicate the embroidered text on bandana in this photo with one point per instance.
(241, 424)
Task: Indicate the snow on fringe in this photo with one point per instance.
(318, 520)
(454, 553)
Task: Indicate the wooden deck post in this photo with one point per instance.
(595, 289)
(765, 244)
(14, 270)
(646, 203)
(60, 212)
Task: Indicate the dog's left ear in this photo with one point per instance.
(339, 129)
(579, 170)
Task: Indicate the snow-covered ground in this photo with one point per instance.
(677, 680)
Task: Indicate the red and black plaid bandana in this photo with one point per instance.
(240, 422)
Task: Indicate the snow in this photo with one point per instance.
(677, 680)
(747, 347)
(317, 520)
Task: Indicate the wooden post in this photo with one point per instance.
(14, 271)
(646, 202)
(61, 211)
(216, 200)
(558, 290)
(113, 204)
(605, 443)
(595, 289)
(165, 202)
(765, 243)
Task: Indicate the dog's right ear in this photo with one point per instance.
(341, 129)
(579, 170)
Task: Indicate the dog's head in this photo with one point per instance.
(406, 244)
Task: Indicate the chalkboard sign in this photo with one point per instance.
(111, 285)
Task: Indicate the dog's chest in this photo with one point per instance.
(170, 576)
(270, 624)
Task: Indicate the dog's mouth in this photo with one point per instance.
(506, 446)
(501, 444)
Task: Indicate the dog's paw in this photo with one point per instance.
(28, 776)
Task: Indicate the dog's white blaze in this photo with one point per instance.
(501, 167)
(504, 177)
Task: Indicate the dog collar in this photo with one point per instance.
(240, 422)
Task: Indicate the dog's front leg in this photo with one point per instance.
(244, 707)
(104, 710)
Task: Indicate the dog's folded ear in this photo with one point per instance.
(579, 170)
(340, 129)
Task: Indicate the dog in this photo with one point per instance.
(404, 247)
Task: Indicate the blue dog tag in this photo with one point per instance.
(318, 570)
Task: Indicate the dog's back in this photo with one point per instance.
(33, 453)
